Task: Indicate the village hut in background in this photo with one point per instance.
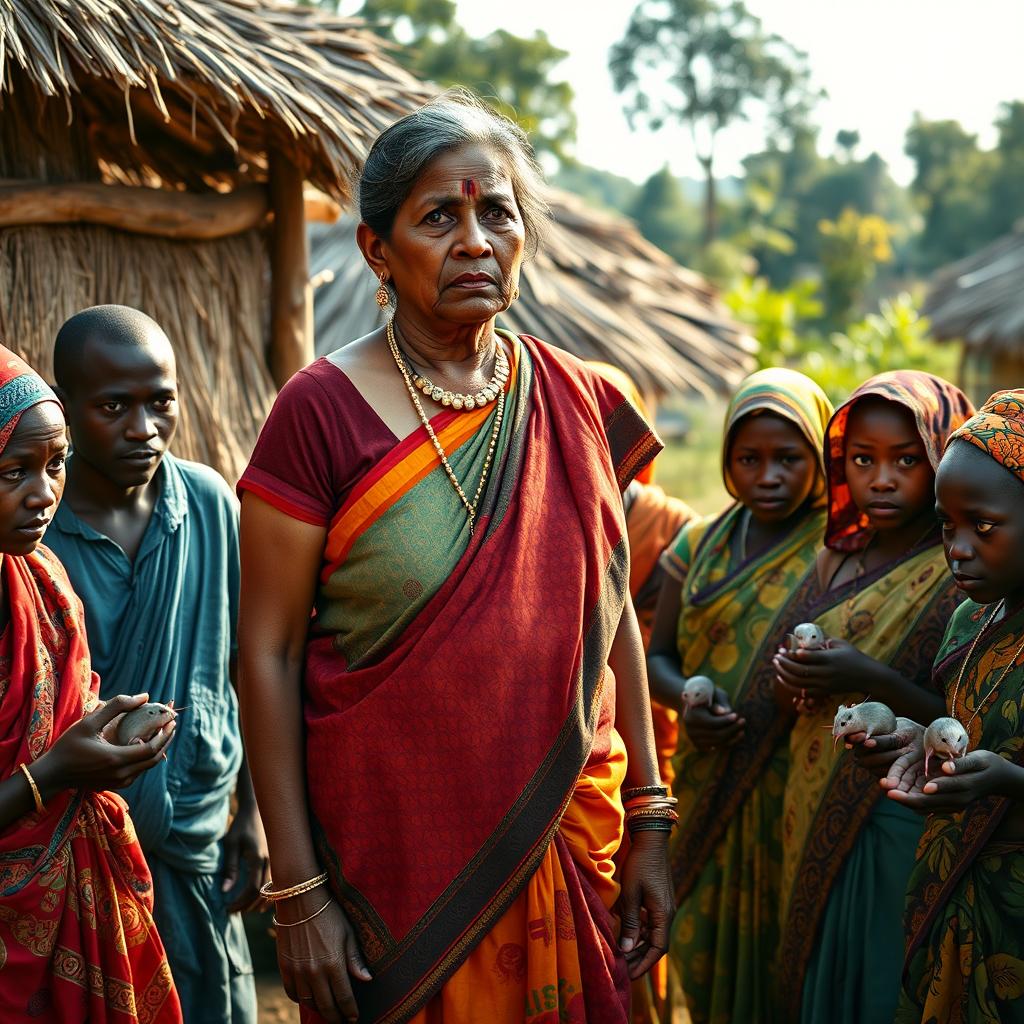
(597, 288)
(154, 154)
(979, 302)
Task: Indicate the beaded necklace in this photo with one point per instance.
(470, 506)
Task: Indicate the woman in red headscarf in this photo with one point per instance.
(77, 941)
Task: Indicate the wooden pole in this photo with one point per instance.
(291, 295)
(144, 211)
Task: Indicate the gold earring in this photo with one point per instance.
(383, 296)
(515, 293)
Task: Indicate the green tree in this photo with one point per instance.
(952, 183)
(517, 74)
(712, 62)
(847, 140)
(664, 216)
(1007, 185)
(852, 247)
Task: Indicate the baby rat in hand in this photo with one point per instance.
(808, 636)
(698, 691)
(143, 723)
(945, 737)
(869, 717)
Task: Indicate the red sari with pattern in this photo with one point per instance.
(77, 940)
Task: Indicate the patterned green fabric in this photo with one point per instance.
(965, 901)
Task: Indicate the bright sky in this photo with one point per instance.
(879, 60)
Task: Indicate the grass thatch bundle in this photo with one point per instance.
(193, 92)
(980, 299)
(209, 297)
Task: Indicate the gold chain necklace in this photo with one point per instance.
(470, 506)
(487, 394)
(966, 661)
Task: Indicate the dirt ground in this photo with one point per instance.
(275, 1007)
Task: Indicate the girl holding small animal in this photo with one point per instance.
(881, 595)
(719, 615)
(965, 955)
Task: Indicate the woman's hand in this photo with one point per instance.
(974, 776)
(316, 958)
(88, 756)
(646, 904)
(818, 675)
(888, 755)
(714, 726)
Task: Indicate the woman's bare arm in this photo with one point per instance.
(632, 701)
(280, 563)
(665, 677)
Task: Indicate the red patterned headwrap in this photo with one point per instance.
(20, 389)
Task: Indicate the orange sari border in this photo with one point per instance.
(409, 462)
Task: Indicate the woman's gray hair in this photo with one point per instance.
(456, 118)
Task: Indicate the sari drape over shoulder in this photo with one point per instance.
(965, 947)
(847, 856)
(77, 940)
(725, 852)
(463, 767)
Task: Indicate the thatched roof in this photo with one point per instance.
(189, 92)
(597, 289)
(980, 299)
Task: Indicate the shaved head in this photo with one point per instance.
(120, 326)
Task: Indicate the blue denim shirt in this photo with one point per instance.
(165, 624)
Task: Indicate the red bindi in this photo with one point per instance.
(469, 188)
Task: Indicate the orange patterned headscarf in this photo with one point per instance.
(938, 408)
(998, 430)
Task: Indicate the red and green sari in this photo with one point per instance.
(77, 940)
(463, 766)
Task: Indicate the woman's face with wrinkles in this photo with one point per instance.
(457, 243)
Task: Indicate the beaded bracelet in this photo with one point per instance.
(269, 893)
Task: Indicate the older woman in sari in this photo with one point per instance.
(77, 941)
(965, 952)
(721, 614)
(883, 597)
(440, 753)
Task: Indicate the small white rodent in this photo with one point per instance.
(141, 724)
(698, 691)
(945, 737)
(809, 636)
(870, 717)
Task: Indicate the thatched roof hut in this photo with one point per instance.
(154, 154)
(979, 301)
(597, 288)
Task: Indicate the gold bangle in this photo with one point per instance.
(295, 924)
(36, 795)
(269, 893)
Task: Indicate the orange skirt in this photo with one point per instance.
(528, 967)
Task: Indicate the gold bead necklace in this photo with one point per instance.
(458, 401)
(470, 506)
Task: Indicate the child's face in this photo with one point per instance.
(980, 506)
(771, 466)
(890, 478)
